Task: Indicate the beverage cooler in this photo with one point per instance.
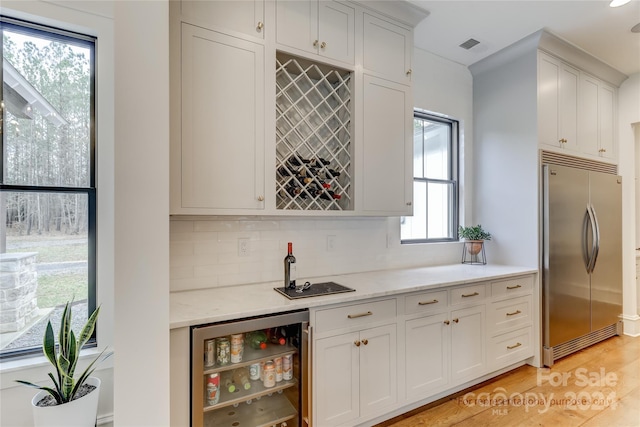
(251, 372)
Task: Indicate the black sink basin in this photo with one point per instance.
(314, 290)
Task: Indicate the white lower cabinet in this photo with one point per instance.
(365, 353)
(356, 375)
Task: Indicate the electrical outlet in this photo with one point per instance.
(243, 246)
(331, 243)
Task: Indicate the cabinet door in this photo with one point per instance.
(427, 354)
(387, 49)
(468, 346)
(336, 31)
(606, 120)
(297, 24)
(387, 174)
(246, 16)
(588, 118)
(569, 80)
(222, 147)
(557, 103)
(378, 376)
(335, 379)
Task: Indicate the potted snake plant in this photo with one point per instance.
(73, 400)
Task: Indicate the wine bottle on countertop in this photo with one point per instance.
(290, 268)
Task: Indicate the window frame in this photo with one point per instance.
(33, 28)
(453, 180)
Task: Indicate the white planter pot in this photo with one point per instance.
(78, 413)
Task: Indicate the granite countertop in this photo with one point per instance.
(189, 308)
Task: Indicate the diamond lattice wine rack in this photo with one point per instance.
(313, 135)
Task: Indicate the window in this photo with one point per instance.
(47, 182)
(435, 187)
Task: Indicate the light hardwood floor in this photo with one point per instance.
(601, 388)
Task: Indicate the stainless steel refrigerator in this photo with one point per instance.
(582, 259)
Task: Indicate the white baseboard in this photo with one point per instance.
(105, 420)
(631, 325)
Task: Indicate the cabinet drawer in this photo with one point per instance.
(509, 314)
(512, 286)
(510, 348)
(355, 315)
(425, 302)
(471, 294)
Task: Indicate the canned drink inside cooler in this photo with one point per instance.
(210, 353)
(213, 388)
(255, 371)
(223, 350)
(278, 364)
(287, 367)
(237, 348)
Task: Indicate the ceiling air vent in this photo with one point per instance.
(469, 44)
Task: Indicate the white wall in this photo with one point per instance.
(133, 215)
(93, 18)
(628, 115)
(204, 251)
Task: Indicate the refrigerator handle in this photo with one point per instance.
(596, 238)
(590, 254)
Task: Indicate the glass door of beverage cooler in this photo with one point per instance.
(250, 373)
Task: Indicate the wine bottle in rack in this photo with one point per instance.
(290, 268)
(328, 173)
(295, 191)
(329, 195)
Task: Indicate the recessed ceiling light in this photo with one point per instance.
(617, 3)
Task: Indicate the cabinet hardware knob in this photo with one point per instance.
(260, 26)
(355, 316)
(446, 322)
(365, 341)
(408, 203)
(470, 295)
(516, 345)
(357, 343)
(323, 45)
(563, 141)
(409, 71)
(261, 198)
(456, 320)
(435, 301)
(514, 313)
(514, 287)
(315, 43)
(602, 150)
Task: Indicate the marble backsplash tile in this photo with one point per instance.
(204, 252)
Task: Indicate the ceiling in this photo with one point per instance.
(592, 25)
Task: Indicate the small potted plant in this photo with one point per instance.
(72, 401)
(474, 236)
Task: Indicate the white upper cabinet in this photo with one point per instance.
(387, 171)
(222, 145)
(246, 17)
(387, 49)
(576, 111)
(558, 103)
(324, 28)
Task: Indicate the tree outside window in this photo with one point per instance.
(47, 187)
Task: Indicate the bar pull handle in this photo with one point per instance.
(435, 301)
(514, 313)
(516, 345)
(470, 295)
(355, 316)
(514, 287)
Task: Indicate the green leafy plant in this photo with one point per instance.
(473, 233)
(65, 356)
